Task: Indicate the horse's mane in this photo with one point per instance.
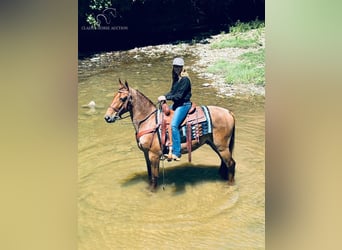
(148, 99)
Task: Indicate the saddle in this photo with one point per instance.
(190, 124)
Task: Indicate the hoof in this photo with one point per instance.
(153, 187)
(231, 183)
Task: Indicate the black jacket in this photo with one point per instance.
(180, 92)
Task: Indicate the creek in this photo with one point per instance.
(197, 209)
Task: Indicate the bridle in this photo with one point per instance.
(124, 106)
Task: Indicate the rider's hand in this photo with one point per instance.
(161, 98)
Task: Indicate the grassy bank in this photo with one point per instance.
(249, 66)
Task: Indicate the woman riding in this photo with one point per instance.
(180, 94)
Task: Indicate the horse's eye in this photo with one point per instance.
(123, 99)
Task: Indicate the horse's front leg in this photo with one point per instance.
(154, 160)
(148, 164)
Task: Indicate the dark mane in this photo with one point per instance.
(145, 97)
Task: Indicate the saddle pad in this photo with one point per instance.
(200, 122)
(200, 128)
(195, 117)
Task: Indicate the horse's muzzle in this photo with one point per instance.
(109, 119)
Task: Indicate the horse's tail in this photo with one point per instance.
(232, 137)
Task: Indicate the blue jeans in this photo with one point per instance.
(178, 116)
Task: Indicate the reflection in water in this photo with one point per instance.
(197, 210)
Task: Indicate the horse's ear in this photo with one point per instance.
(126, 84)
(121, 84)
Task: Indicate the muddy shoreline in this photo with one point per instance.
(204, 56)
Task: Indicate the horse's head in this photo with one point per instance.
(120, 104)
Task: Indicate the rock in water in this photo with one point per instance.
(91, 104)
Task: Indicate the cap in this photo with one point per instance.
(178, 61)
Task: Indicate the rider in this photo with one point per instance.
(180, 94)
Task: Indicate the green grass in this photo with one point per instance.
(250, 69)
(238, 36)
(240, 27)
(236, 42)
(257, 58)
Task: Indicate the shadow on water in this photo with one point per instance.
(179, 176)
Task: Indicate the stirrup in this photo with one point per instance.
(169, 155)
(174, 157)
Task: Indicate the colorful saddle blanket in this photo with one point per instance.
(198, 120)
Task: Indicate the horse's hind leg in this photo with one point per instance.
(223, 170)
(227, 168)
(231, 171)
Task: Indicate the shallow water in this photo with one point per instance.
(197, 209)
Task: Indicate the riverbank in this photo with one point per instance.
(207, 54)
(209, 58)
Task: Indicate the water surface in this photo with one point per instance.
(197, 209)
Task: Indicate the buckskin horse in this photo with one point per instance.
(219, 132)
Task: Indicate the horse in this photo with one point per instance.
(143, 112)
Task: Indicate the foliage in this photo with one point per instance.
(240, 27)
(96, 5)
(89, 9)
(92, 21)
(238, 38)
(99, 4)
(150, 22)
(175, 14)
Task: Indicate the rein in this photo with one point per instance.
(146, 118)
(126, 100)
(147, 131)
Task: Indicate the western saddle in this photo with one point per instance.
(194, 117)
